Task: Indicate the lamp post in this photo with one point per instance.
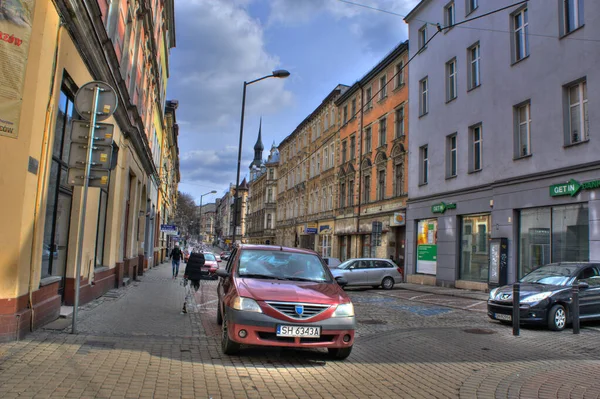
(200, 227)
(279, 73)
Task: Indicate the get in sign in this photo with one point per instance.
(572, 187)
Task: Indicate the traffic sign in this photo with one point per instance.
(98, 177)
(101, 156)
(106, 103)
(103, 132)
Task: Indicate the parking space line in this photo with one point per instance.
(474, 304)
(419, 296)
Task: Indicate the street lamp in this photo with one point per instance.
(200, 227)
(279, 73)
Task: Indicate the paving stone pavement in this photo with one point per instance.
(136, 344)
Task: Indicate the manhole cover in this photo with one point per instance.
(478, 331)
(372, 321)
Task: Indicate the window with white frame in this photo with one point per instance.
(449, 12)
(342, 194)
(474, 58)
(579, 123)
(368, 139)
(399, 122)
(422, 36)
(350, 192)
(424, 96)
(325, 158)
(352, 146)
(572, 15)
(331, 158)
(471, 5)
(424, 165)
(326, 121)
(345, 114)
(382, 87)
(330, 198)
(520, 22)
(312, 166)
(353, 113)
(381, 184)
(318, 164)
(476, 153)
(382, 132)
(324, 200)
(369, 97)
(451, 156)
(523, 129)
(367, 189)
(400, 74)
(451, 75)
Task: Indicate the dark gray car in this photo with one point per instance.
(369, 271)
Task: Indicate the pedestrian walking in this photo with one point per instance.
(175, 257)
(193, 273)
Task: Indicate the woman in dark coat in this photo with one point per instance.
(193, 273)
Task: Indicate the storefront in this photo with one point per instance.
(325, 237)
(543, 220)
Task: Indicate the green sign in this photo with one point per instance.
(572, 187)
(427, 252)
(441, 207)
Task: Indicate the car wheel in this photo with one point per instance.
(387, 283)
(219, 316)
(339, 353)
(228, 347)
(557, 318)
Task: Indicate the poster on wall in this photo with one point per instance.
(15, 31)
(427, 246)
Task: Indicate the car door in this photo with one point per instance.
(354, 273)
(589, 298)
(379, 269)
(225, 283)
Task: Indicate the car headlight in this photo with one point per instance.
(246, 305)
(493, 293)
(344, 310)
(536, 298)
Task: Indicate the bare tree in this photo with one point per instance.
(186, 216)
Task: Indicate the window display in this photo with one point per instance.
(427, 246)
(475, 248)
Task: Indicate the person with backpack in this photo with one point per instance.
(175, 257)
(193, 273)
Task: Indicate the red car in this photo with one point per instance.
(276, 296)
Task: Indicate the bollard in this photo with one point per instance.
(575, 308)
(516, 308)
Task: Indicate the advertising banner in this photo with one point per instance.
(15, 32)
(427, 246)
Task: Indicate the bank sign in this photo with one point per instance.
(572, 187)
(441, 207)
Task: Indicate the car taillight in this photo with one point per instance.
(399, 270)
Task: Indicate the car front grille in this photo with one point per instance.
(289, 309)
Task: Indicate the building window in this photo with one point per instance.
(451, 157)
(331, 158)
(101, 231)
(382, 87)
(367, 189)
(366, 246)
(326, 246)
(352, 147)
(474, 255)
(572, 15)
(325, 158)
(381, 184)
(400, 74)
(557, 234)
(474, 66)
(398, 179)
(353, 114)
(578, 120)
(424, 97)
(523, 130)
(271, 174)
(471, 5)
(424, 170)
(476, 148)
(345, 116)
(351, 193)
(330, 199)
(422, 37)
(451, 80)
(270, 195)
(344, 151)
(449, 15)
(382, 132)
(269, 221)
(368, 139)
(342, 195)
(318, 164)
(521, 34)
(399, 122)
(369, 97)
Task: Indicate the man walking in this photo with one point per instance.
(176, 256)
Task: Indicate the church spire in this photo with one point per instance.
(259, 145)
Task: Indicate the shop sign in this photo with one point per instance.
(311, 228)
(572, 187)
(399, 219)
(169, 229)
(442, 207)
(324, 227)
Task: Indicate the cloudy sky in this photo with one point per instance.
(222, 43)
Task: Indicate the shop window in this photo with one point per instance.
(474, 244)
(557, 234)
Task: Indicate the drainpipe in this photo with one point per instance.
(360, 134)
(42, 175)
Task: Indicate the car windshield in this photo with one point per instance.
(282, 265)
(550, 274)
(209, 257)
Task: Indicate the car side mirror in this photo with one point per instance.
(351, 267)
(341, 281)
(222, 273)
(583, 285)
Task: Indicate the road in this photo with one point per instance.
(135, 343)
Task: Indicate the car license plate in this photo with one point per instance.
(505, 317)
(298, 331)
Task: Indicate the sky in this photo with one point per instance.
(222, 43)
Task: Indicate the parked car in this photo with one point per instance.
(332, 262)
(210, 265)
(219, 260)
(369, 271)
(284, 297)
(545, 295)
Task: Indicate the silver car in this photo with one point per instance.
(369, 271)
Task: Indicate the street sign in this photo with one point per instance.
(98, 177)
(169, 229)
(101, 156)
(442, 207)
(106, 103)
(103, 132)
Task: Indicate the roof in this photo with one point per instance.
(277, 248)
(415, 10)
